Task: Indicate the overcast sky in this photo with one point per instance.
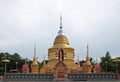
(25, 22)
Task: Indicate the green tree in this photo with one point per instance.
(14, 59)
(1, 63)
(106, 63)
(117, 64)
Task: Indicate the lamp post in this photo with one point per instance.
(16, 67)
(106, 66)
(5, 61)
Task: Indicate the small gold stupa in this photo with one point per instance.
(87, 67)
(35, 65)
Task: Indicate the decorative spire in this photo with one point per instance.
(87, 50)
(34, 50)
(87, 57)
(78, 58)
(60, 32)
(44, 63)
(34, 65)
(60, 20)
(35, 56)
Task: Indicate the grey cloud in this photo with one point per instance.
(23, 22)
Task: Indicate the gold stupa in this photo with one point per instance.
(35, 65)
(87, 66)
(61, 41)
(61, 54)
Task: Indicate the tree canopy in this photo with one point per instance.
(14, 59)
(107, 63)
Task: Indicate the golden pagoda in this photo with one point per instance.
(61, 58)
(61, 41)
(87, 67)
(35, 65)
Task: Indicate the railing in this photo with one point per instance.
(50, 77)
(29, 77)
(101, 76)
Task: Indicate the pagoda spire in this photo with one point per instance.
(35, 56)
(87, 57)
(61, 21)
(34, 65)
(35, 51)
(60, 32)
(44, 62)
(87, 50)
(87, 67)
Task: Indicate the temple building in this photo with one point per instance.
(61, 58)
